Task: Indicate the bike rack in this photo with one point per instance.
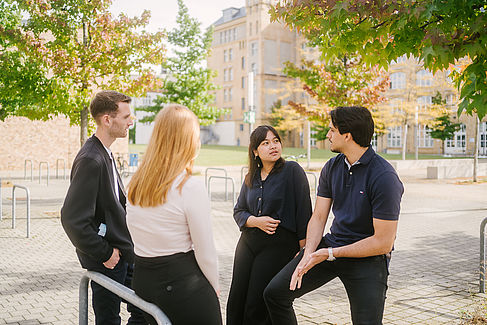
(64, 168)
(121, 291)
(219, 169)
(226, 193)
(40, 170)
(242, 173)
(482, 256)
(31, 169)
(315, 182)
(28, 206)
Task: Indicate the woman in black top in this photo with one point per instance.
(272, 211)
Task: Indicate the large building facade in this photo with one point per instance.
(247, 45)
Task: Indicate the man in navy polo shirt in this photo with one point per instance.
(365, 193)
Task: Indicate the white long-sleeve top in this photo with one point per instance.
(181, 224)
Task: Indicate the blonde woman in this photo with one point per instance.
(168, 216)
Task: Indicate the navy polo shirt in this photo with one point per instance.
(368, 189)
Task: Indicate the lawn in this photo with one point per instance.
(213, 155)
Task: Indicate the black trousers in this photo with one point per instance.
(258, 257)
(365, 280)
(176, 284)
(106, 305)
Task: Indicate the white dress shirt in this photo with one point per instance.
(181, 224)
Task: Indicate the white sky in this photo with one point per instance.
(164, 12)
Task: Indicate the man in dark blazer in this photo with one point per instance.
(93, 214)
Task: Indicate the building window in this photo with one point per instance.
(243, 62)
(221, 38)
(230, 74)
(256, 27)
(225, 75)
(424, 102)
(241, 127)
(243, 103)
(250, 28)
(230, 54)
(225, 56)
(424, 78)
(234, 33)
(243, 82)
(253, 68)
(230, 94)
(424, 138)
(483, 139)
(398, 80)
(394, 137)
(253, 48)
(459, 139)
(225, 95)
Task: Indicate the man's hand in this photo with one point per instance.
(113, 260)
(264, 223)
(306, 263)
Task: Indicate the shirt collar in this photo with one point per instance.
(364, 159)
(367, 156)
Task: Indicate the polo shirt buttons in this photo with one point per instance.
(350, 173)
(260, 198)
(261, 186)
(260, 211)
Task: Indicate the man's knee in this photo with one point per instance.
(277, 291)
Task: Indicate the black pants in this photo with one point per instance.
(365, 280)
(106, 305)
(176, 284)
(258, 257)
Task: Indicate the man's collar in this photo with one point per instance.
(367, 156)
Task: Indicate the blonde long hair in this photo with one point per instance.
(174, 144)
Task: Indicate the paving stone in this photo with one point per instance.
(433, 272)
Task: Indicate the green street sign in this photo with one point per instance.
(249, 117)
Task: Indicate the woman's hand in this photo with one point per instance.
(264, 223)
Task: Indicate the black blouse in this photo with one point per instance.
(284, 195)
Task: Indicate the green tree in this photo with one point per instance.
(187, 81)
(78, 49)
(444, 128)
(438, 32)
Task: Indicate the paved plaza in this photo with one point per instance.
(433, 274)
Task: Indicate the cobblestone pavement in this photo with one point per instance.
(433, 273)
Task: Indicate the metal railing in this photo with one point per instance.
(242, 173)
(226, 193)
(482, 256)
(64, 168)
(40, 170)
(315, 182)
(31, 169)
(28, 206)
(121, 291)
(218, 169)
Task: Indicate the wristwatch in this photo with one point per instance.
(330, 258)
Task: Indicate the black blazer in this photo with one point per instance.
(90, 201)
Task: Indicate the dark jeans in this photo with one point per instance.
(258, 257)
(106, 305)
(176, 284)
(365, 280)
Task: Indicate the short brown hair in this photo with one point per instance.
(106, 101)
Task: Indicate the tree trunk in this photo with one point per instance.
(476, 150)
(404, 146)
(83, 126)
